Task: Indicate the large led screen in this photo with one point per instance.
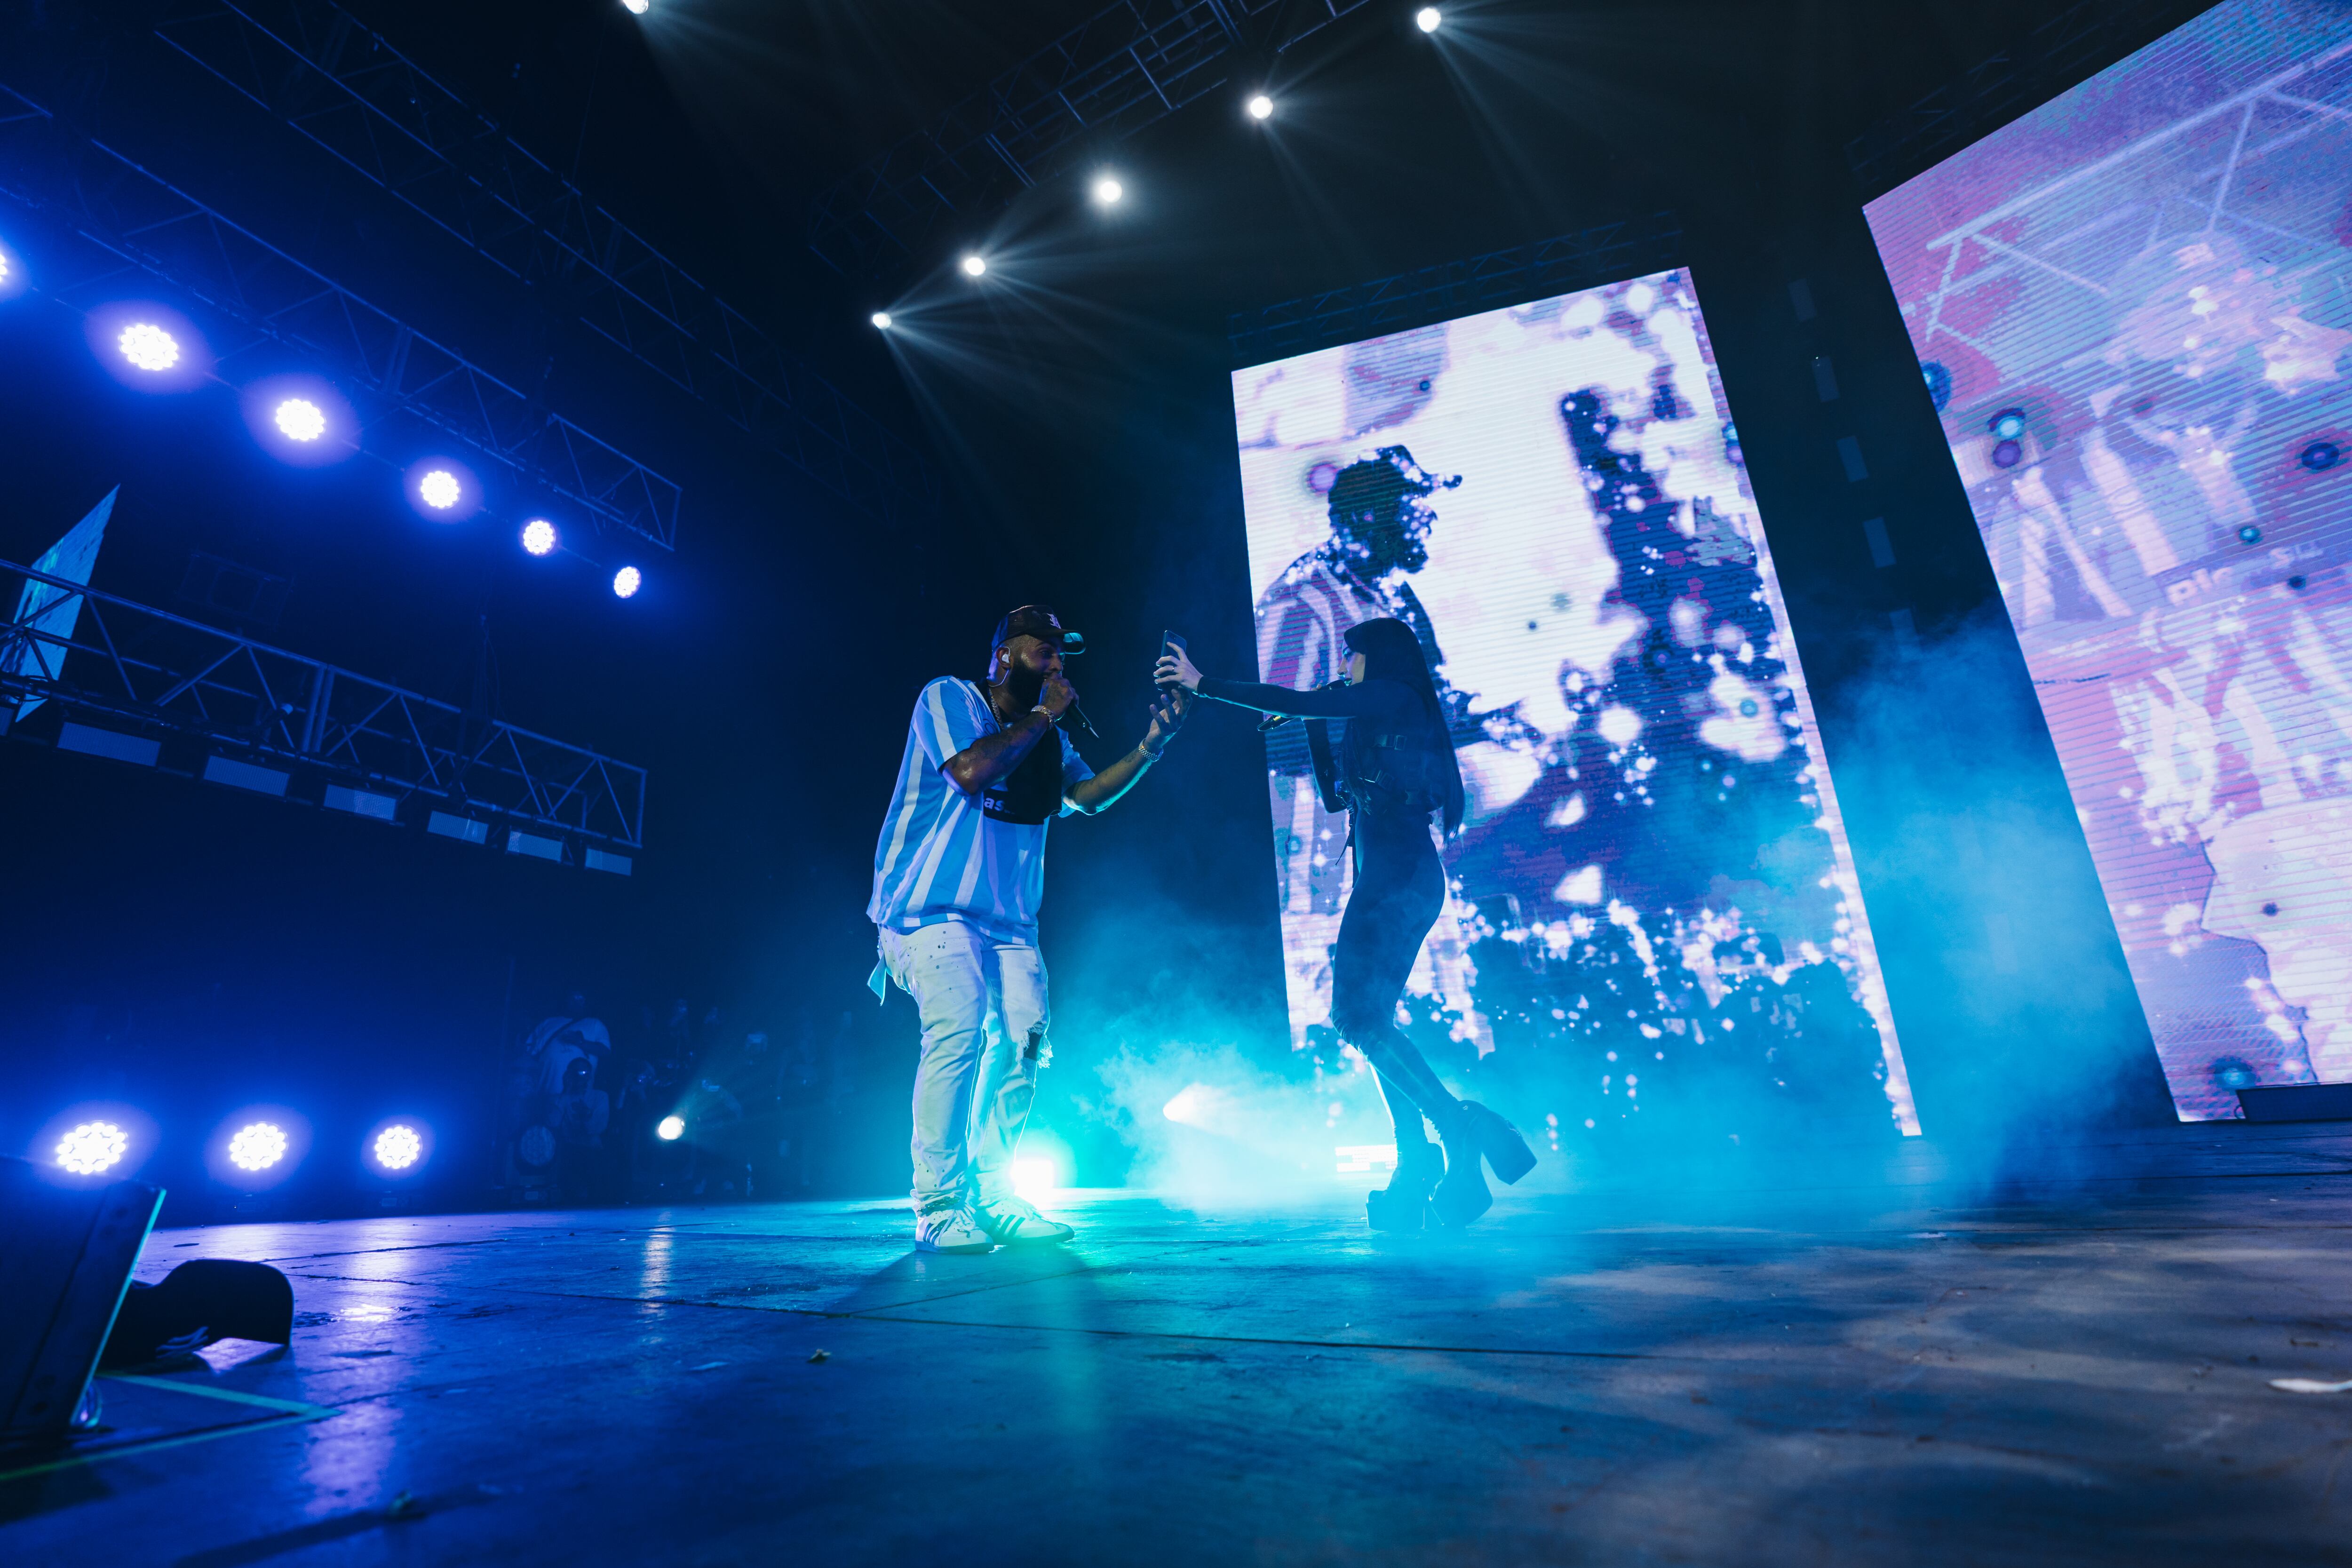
(2132, 307)
(1652, 919)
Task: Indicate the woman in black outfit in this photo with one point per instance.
(1395, 766)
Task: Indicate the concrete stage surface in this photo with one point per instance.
(1802, 1373)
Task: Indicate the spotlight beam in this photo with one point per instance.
(1127, 66)
(138, 218)
(427, 148)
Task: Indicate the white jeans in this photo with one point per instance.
(982, 1005)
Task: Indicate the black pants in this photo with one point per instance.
(1399, 890)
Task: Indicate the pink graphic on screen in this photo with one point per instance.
(2133, 307)
(1652, 910)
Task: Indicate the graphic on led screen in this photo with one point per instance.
(1652, 910)
(2133, 307)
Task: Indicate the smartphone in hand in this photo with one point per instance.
(1172, 642)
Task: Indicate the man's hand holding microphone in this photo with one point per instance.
(1056, 697)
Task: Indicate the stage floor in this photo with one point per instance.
(1880, 1376)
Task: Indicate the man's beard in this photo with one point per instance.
(1026, 685)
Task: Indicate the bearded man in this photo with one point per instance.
(958, 876)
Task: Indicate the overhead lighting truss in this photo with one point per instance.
(140, 219)
(1123, 68)
(1606, 253)
(134, 671)
(314, 66)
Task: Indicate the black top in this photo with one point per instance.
(1389, 705)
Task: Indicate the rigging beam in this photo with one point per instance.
(156, 680)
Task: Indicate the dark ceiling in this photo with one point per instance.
(712, 125)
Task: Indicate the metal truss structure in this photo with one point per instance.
(1123, 68)
(1606, 253)
(2203, 173)
(2076, 44)
(147, 676)
(139, 218)
(311, 65)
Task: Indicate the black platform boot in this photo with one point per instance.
(1462, 1195)
(1474, 1133)
(1500, 1141)
(1402, 1204)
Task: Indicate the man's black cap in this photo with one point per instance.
(1038, 621)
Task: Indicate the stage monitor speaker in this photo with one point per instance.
(66, 1258)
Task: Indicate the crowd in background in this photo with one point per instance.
(673, 1105)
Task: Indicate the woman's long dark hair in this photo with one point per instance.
(1393, 653)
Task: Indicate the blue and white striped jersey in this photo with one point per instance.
(940, 858)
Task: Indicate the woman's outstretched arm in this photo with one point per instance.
(1325, 702)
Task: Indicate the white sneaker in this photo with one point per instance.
(1012, 1219)
(956, 1230)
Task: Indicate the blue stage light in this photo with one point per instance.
(974, 266)
(1428, 19)
(95, 1138)
(90, 1147)
(1261, 107)
(148, 347)
(636, 8)
(299, 419)
(398, 1147)
(538, 536)
(443, 489)
(1108, 192)
(670, 1129)
(627, 581)
(881, 318)
(302, 420)
(257, 1146)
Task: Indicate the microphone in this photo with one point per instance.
(1276, 720)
